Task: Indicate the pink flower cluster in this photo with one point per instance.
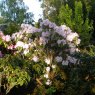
(6, 38)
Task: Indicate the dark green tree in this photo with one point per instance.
(29, 18)
(75, 20)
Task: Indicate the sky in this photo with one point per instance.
(34, 7)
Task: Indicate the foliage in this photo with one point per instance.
(2, 20)
(76, 21)
(77, 14)
(11, 27)
(25, 49)
(50, 58)
(13, 10)
(29, 18)
(12, 72)
(51, 9)
(14, 14)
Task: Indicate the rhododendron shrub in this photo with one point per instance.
(47, 48)
(49, 37)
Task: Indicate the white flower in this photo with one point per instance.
(18, 35)
(42, 41)
(35, 59)
(71, 59)
(14, 36)
(25, 38)
(47, 60)
(77, 50)
(22, 25)
(72, 50)
(31, 45)
(64, 28)
(47, 69)
(78, 41)
(19, 44)
(25, 51)
(48, 82)
(53, 66)
(65, 62)
(71, 36)
(58, 59)
(26, 46)
(21, 36)
(8, 38)
(46, 76)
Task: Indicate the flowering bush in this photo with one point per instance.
(47, 49)
(49, 38)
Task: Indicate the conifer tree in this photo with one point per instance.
(76, 21)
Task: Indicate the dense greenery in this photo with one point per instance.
(77, 14)
(14, 13)
(13, 72)
(75, 20)
(51, 59)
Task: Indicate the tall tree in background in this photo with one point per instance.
(14, 14)
(13, 10)
(51, 9)
(29, 18)
(76, 21)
